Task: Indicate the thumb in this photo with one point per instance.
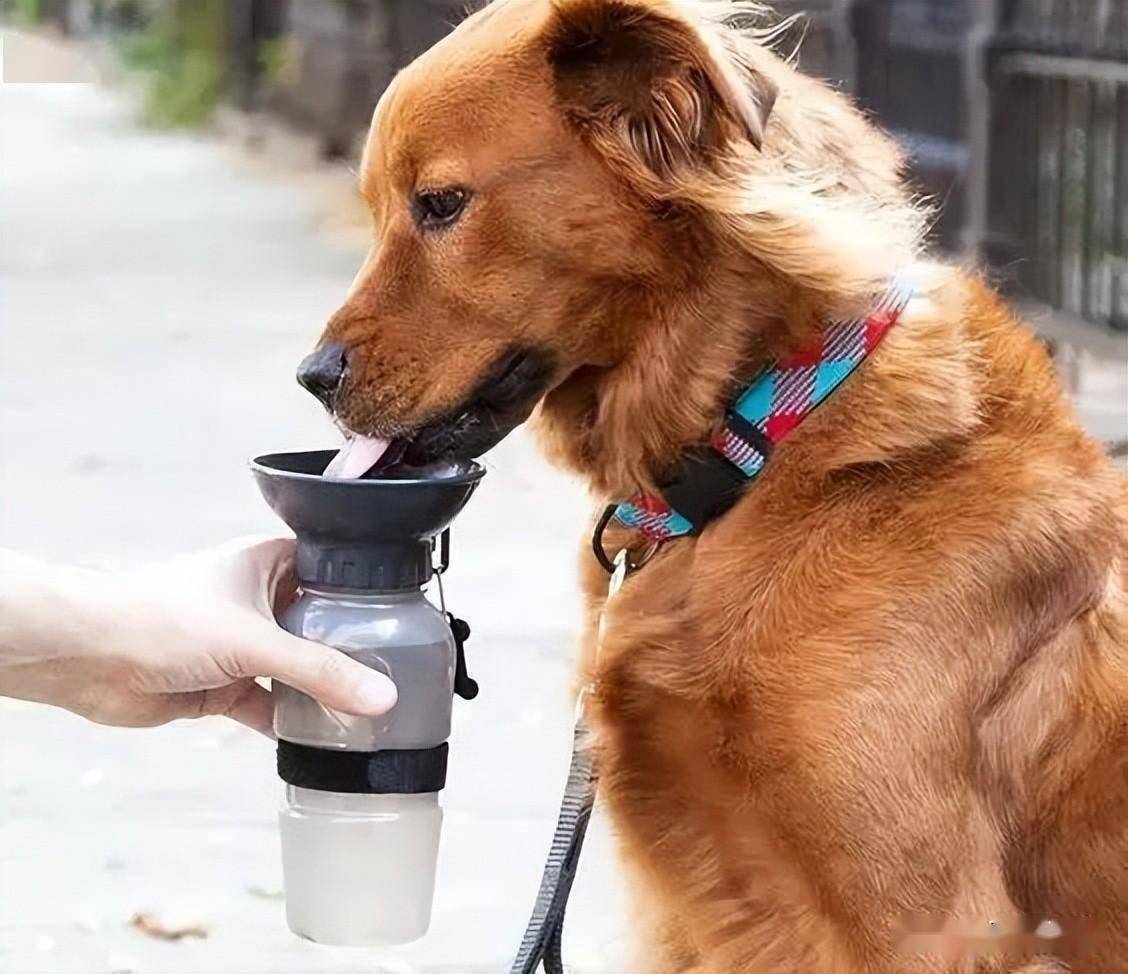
(328, 675)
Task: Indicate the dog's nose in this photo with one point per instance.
(321, 371)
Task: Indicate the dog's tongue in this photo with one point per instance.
(359, 455)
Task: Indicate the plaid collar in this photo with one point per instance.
(710, 479)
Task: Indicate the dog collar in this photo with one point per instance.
(709, 479)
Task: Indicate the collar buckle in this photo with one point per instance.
(703, 486)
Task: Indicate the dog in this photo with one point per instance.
(873, 716)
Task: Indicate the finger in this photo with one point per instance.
(282, 588)
(254, 709)
(329, 676)
(244, 701)
(274, 559)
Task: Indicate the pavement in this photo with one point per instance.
(157, 291)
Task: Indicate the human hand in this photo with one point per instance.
(184, 639)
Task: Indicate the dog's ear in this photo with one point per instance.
(647, 84)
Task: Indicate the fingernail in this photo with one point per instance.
(377, 694)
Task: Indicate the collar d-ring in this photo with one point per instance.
(607, 563)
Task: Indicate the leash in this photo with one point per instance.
(541, 944)
(542, 941)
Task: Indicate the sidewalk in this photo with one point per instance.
(30, 58)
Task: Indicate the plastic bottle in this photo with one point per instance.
(361, 821)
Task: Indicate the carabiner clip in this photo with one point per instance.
(609, 564)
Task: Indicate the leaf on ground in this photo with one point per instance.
(150, 926)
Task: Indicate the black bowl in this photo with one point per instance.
(380, 511)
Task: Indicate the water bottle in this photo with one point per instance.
(361, 820)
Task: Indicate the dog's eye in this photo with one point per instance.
(437, 207)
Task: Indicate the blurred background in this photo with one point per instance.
(178, 218)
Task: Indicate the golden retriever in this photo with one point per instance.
(875, 717)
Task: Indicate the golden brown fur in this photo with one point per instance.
(884, 700)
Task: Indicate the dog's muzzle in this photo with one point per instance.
(501, 401)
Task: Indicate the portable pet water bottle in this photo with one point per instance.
(361, 821)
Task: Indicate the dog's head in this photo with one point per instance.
(543, 183)
(515, 175)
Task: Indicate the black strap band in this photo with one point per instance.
(390, 772)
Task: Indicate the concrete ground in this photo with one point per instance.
(157, 292)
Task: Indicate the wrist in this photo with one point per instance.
(48, 613)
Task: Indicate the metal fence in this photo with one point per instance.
(345, 53)
(1014, 113)
(1058, 180)
(911, 75)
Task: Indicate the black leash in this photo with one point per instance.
(541, 944)
(542, 941)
